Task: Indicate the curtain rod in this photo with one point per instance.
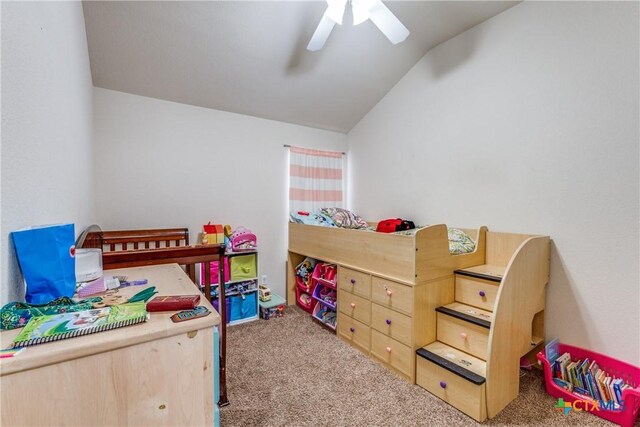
(288, 146)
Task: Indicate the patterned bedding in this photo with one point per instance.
(459, 241)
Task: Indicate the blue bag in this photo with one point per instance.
(46, 258)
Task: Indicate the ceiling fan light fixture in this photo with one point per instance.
(374, 10)
(360, 9)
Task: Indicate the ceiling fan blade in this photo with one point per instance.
(387, 22)
(335, 10)
(320, 36)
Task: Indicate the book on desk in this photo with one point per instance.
(43, 329)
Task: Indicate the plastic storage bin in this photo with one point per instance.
(326, 274)
(300, 300)
(272, 308)
(325, 295)
(629, 373)
(326, 316)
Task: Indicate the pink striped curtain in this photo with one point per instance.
(315, 179)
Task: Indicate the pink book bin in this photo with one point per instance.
(629, 373)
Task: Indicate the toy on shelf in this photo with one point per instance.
(326, 274)
(326, 316)
(304, 272)
(212, 234)
(325, 295)
(243, 240)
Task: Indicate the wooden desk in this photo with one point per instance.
(154, 373)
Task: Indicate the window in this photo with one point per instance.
(315, 179)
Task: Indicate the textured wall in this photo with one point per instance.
(164, 164)
(526, 123)
(46, 124)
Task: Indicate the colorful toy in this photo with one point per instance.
(242, 240)
(212, 233)
(264, 293)
(304, 271)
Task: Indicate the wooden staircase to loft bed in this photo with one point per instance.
(496, 318)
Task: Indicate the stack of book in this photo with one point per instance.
(585, 379)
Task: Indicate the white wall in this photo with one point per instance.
(46, 124)
(526, 123)
(164, 164)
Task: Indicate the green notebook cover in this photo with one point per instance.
(42, 329)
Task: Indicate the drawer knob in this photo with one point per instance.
(353, 281)
(463, 335)
(482, 294)
(388, 321)
(443, 384)
(388, 349)
(352, 329)
(389, 292)
(353, 305)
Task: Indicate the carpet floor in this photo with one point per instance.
(290, 371)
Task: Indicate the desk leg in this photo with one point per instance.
(222, 306)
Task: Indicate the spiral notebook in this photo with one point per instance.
(42, 329)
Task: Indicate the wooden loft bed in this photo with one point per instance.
(457, 325)
(385, 277)
(136, 248)
(410, 259)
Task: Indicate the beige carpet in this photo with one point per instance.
(290, 371)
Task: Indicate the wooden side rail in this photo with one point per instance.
(521, 292)
(137, 239)
(183, 255)
(126, 240)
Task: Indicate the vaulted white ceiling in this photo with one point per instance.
(250, 57)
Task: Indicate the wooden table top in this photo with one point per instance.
(168, 279)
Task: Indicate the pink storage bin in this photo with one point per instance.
(215, 272)
(325, 295)
(629, 373)
(325, 273)
(300, 301)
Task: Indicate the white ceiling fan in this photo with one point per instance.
(362, 10)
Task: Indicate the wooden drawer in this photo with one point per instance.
(354, 306)
(354, 332)
(457, 391)
(392, 352)
(476, 292)
(354, 282)
(392, 294)
(391, 323)
(463, 335)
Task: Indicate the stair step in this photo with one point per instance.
(467, 313)
(460, 363)
(493, 273)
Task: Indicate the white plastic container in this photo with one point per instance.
(88, 264)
